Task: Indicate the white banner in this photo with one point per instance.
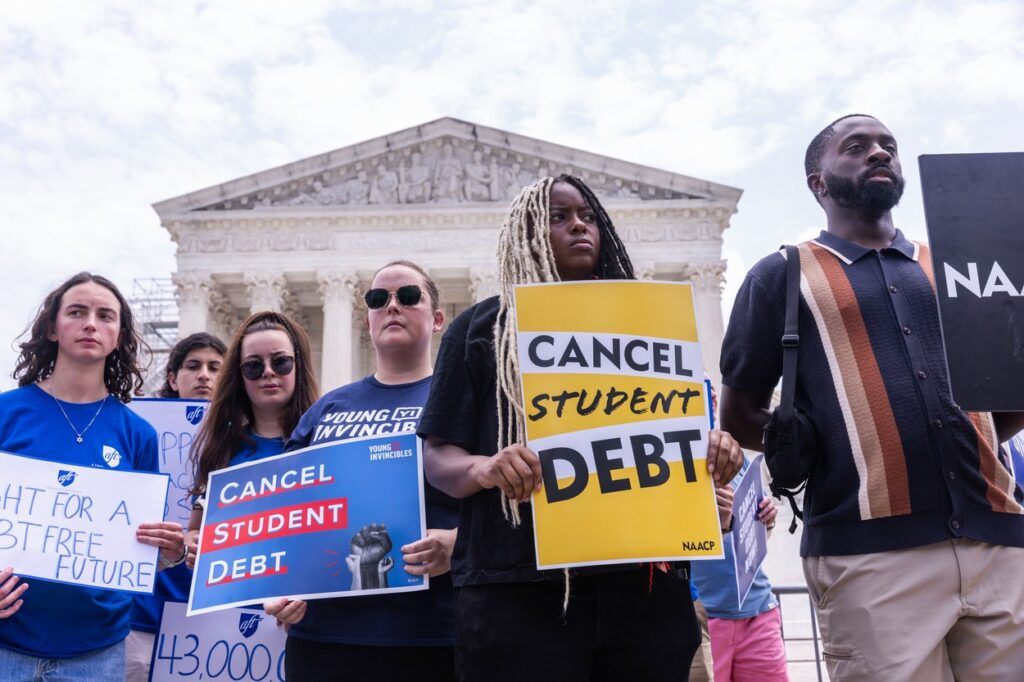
(176, 422)
(237, 644)
(76, 524)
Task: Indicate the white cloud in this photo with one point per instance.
(108, 106)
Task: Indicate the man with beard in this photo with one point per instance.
(914, 534)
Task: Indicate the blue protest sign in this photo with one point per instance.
(234, 644)
(750, 538)
(76, 524)
(325, 521)
(176, 422)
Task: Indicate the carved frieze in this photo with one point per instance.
(442, 171)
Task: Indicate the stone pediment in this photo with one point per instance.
(444, 162)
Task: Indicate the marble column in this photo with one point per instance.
(265, 291)
(483, 283)
(337, 294)
(192, 291)
(707, 277)
(224, 320)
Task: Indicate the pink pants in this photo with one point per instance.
(749, 649)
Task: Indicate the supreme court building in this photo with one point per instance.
(306, 238)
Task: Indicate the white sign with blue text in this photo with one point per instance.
(236, 644)
(176, 422)
(75, 524)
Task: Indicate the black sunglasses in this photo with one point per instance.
(281, 365)
(408, 295)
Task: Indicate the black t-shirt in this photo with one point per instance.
(463, 410)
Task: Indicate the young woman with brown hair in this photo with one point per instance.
(75, 372)
(265, 386)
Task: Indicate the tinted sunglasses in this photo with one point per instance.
(408, 295)
(281, 365)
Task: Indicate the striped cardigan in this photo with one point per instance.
(901, 465)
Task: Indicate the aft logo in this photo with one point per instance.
(65, 477)
(194, 413)
(111, 456)
(248, 622)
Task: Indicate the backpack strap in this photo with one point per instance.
(791, 332)
(790, 346)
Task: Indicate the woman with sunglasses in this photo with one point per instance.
(396, 636)
(191, 374)
(264, 387)
(75, 372)
(620, 622)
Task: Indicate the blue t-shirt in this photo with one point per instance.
(261, 448)
(716, 581)
(173, 584)
(58, 620)
(425, 618)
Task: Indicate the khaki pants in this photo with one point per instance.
(949, 611)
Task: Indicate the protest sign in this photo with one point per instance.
(750, 537)
(176, 422)
(974, 209)
(235, 644)
(324, 521)
(617, 411)
(76, 524)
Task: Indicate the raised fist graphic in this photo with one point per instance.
(369, 561)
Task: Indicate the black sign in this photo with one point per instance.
(974, 206)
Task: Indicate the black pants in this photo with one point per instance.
(330, 662)
(619, 626)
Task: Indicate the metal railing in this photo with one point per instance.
(800, 637)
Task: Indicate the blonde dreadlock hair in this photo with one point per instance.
(525, 257)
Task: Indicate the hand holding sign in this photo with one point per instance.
(432, 555)
(725, 457)
(724, 498)
(766, 513)
(191, 547)
(286, 611)
(515, 470)
(10, 593)
(167, 535)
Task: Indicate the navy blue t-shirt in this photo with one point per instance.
(425, 618)
(58, 620)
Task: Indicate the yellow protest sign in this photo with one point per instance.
(617, 411)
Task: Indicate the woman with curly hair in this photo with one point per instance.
(75, 372)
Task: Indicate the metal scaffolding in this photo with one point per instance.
(156, 317)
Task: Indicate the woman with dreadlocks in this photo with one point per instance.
(513, 621)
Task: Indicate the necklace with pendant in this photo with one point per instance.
(79, 434)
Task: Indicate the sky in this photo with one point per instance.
(108, 106)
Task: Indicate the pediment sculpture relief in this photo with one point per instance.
(442, 172)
